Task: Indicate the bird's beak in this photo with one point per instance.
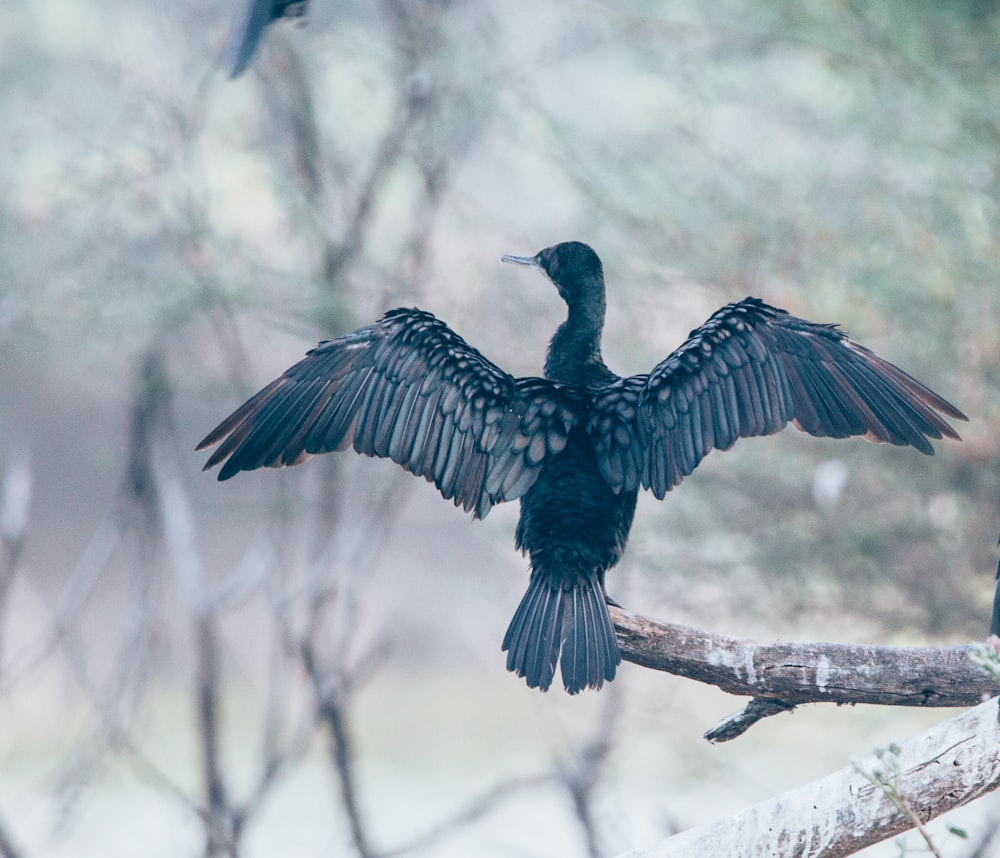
(531, 261)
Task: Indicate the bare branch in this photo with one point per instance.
(989, 841)
(791, 673)
(15, 500)
(939, 770)
(7, 847)
(739, 722)
(223, 822)
(472, 812)
(389, 152)
(578, 774)
(79, 586)
(332, 713)
(581, 774)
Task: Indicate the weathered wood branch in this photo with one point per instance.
(934, 772)
(781, 675)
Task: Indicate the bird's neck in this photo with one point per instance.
(574, 355)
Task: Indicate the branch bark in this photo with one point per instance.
(782, 675)
(933, 772)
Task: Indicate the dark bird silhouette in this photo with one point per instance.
(248, 29)
(577, 445)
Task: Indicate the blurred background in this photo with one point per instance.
(307, 662)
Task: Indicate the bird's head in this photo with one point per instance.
(572, 266)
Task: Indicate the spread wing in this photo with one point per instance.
(409, 389)
(750, 370)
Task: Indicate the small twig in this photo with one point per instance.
(581, 774)
(80, 584)
(7, 847)
(885, 775)
(989, 840)
(332, 714)
(15, 500)
(222, 830)
(473, 811)
(223, 822)
(738, 723)
(390, 150)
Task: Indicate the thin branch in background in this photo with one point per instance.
(133, 521)
(332, 623)
(341, 750)
(988, 845)
(580, 774)
(334, 679)
(133, 502)
(15, 503)
(7, 847)
(224, 819)
(223, 833)
(290, 95)
(332, 714)
(223, 828)
(389, 150)
(475, 810)
(79, 586)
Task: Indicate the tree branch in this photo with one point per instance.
(15, 500)
(332, 714)
(782, 675)
(872, 800)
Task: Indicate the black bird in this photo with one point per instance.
(249, 28)
(577, 445)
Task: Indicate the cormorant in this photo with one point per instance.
(249, 28)
(577, 445)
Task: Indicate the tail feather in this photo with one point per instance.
(532, 639)
(545, 634)
(573, 620)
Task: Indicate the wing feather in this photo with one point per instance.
(752, 369)
(409, 389)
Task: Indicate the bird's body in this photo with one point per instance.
(571, 544)
(574, 528)
(577, 445)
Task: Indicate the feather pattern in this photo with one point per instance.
(752, 369)
(406, 388)
(567, 616)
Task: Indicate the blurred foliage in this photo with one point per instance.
(836, 158)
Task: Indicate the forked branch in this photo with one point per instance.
(782, 675)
